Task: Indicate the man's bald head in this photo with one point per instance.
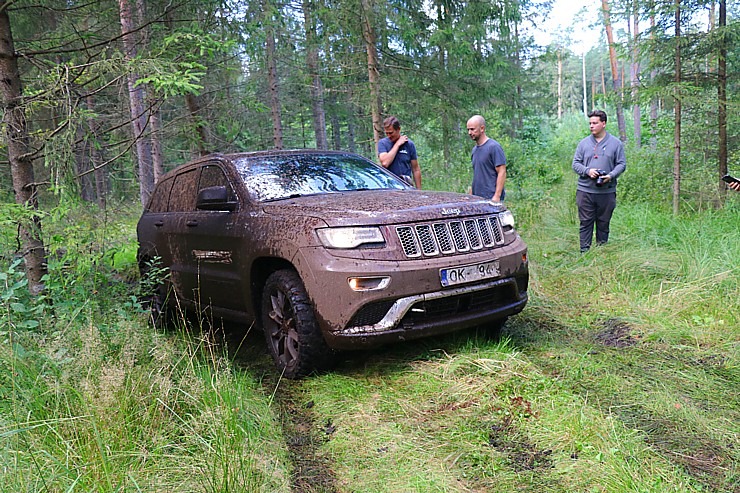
(477, 120)
(477, 129)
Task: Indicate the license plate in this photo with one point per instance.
(468, 273)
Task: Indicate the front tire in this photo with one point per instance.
(291, 330)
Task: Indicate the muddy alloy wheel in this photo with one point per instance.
(293, 335)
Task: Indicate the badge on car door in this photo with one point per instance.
(212, 256)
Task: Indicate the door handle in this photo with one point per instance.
(191, 223)
(159, 224)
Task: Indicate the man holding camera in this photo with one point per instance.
(598, 161)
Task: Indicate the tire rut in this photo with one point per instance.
(304, 435)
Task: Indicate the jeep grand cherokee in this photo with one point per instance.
(328, 251)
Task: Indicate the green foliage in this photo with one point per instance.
(185, 54)
(20, 311)
(180, 78)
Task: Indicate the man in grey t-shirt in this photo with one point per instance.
(598, 161)
(489, 162)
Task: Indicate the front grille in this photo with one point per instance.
(444, 238)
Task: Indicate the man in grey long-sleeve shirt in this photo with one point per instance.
(598, 161)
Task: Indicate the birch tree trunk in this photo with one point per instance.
(316, 87)
(199, 124)
(368, 34)
(560, 84)
(635, 76)
(137, 107)
(100, 173)
(722, 94)
(616, 77)
(19, 155)
(154, 136)
(583, 82)
(677, 116)
(272, 78)
(654, 100)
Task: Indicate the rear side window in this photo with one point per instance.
(184, 191)
(160, 196)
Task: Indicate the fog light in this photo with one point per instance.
(368, 283)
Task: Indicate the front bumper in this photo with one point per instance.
(415, 304)
(435, 313)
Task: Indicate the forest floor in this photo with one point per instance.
(620, 375)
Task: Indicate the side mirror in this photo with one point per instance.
(214, 199)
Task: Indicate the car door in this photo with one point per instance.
(213, 243)
(176, 232)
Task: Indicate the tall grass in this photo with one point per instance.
(93, 399)
(619, 376)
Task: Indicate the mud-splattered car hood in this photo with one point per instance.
(381, 206)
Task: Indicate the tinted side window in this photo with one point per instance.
(213, 176)
(160, 196)
(184, 192)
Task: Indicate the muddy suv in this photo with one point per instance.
(328, 251)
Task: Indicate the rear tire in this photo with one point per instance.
(291, 330)
(156, 292)
(159, 312)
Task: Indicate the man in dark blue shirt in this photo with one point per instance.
(397, 153)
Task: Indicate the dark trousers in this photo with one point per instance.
(595, 208)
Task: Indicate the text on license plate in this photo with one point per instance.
(468, 273)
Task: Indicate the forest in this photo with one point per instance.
(620, 375)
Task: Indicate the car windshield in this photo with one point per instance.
(280, 177)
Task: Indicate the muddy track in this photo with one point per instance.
(304, 435)
(312, 471)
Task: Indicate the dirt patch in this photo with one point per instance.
(312, 471)
(521, 455)
(712, 361)
(616, 333)
(704, 459)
